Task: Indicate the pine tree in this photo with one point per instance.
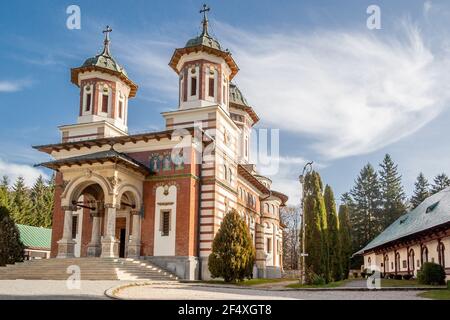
(334, 244)
(365, 214)
(4, 192)
(21, 204)
(441, 181)
(421, 191)
(392, 193)
(316, 226)
(42, 203)
(345, 239)
(11, 248)
(233, 254)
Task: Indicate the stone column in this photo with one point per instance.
(110, 245)
(66, 245)
(134, 245)
(94, 247)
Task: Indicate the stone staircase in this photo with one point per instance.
(89, 268)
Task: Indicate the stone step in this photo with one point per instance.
(91, 269)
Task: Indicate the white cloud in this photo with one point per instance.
(14, 170)
(427, 5)
(13, 85)
(352, 93)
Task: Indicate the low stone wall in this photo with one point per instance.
(185, 268)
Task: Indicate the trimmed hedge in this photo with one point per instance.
(431, 273)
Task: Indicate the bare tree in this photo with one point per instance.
(290, 218)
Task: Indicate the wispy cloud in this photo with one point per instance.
(353, 93)
(14, 85)
(14, 170)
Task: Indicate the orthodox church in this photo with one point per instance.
(161, 196)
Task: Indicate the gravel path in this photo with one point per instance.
(54, 290)
(203, 292)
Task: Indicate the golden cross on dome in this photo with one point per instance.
(205, 18)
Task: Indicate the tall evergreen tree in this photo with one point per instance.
(345, 239)
(392, 193)
(11, 248)
(21, 204)
(421, 191)
(365, 214)
(5, 192)
(441, 181)
(42, 203)
(334, 243)
(316, 226)
(233, 254)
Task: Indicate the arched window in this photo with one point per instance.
(397, 262)
(441, 254)
(266, 207)
(424, 256)
(230, 175)
(411, 260)
(225, 172)
(105, 99)
(386, 263)
(369, 261)
(88, 98)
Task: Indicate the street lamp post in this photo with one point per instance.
(306, 170)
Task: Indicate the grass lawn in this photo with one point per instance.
(328, 285)
(401, 283)
(436, 294)
(250, 282)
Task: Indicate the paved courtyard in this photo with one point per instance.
(53, 289)
(58, 290)
(181, 291)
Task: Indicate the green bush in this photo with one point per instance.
(407, 277)
(431, 273)
(233, 254)
(448, 284)
(316, 280)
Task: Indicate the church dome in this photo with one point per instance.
(204, 39)
(236, 96)
(106, 61)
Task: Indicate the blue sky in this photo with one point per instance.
(341, 94)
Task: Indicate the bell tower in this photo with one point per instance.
(105, 90)
(204, 69)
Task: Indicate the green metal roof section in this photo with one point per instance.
(432, 212)
(35, 237)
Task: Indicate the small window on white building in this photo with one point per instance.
(269, 245)
(193, 86)
(165, 223)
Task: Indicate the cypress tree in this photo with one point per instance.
(11, 248)
(392, 193)
(334, 243)
(233, 254)
(441, 181)
(21, 204)
(345, 239)
(365, 214)
(316, 226)
(421, 191)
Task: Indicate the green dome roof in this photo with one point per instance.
(204, 39)
(236, 96)
(106, 61)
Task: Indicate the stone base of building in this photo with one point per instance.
(185, 267)
(66, 249)
(269, 272)
(94, 250)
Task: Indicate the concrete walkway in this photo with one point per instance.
(54, 290)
